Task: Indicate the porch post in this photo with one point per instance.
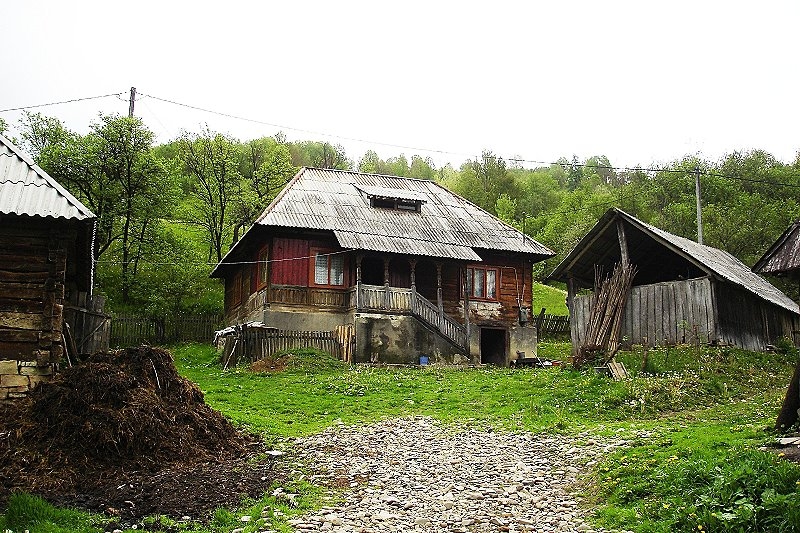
(413, 264)
(623, 243)
(386, 282)
(359, 257)
(465, 288)
(439, 299)
(573, 320)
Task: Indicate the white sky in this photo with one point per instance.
(641, 82)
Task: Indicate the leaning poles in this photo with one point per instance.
(604, 326)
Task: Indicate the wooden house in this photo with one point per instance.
(415, 269)
(46, 239)
(683, 291)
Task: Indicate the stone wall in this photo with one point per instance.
(17, 378)
(401, 339)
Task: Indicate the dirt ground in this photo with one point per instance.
(126, 435)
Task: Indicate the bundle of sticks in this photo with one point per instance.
(602, 339)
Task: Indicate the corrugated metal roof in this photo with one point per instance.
(717, 262)
(26, 189)
(326, 199)
(381, 243)
(784, 255)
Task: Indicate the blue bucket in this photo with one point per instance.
(423, 360)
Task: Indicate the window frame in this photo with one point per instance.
(471, 283)
(312, 278)
(236, 295)
(396, 204)
(261, 270)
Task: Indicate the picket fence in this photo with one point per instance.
(129, 330)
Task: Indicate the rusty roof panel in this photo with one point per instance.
(26, 189)
(783, 256)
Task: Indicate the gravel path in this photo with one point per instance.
(414, 474)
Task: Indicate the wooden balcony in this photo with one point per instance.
(309, 296)
(374, 299)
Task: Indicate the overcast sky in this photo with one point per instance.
(642, 82)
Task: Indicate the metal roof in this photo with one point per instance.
(26, 189)
(446, 226)
(783, 256)
(601, 245)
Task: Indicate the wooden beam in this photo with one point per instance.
(623, 243)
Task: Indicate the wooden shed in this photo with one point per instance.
(782, 259)
(46, 240)
(683, 291)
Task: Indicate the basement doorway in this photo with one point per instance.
(493, 346)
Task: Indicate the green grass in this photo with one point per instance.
(693, 419)
(552, 299)
(31, 513)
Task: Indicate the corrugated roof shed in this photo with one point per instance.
(446, 226)
(26, 189)
(783, 257)
(603, 237)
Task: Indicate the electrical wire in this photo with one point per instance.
(61, 102)
(204, 263)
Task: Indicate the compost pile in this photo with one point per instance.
(125, 434)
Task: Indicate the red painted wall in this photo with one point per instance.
(289, 262)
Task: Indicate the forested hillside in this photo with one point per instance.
(167, 213)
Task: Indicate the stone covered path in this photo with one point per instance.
(414, 474)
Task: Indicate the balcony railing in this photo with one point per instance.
(374, 298)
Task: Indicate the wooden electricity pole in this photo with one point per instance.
(131, 101)
(699, 208)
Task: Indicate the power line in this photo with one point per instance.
(61, 102)
(119, 95)
(301, 130)
(209, 263)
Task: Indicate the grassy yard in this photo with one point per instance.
(695, 420)
(552, 299)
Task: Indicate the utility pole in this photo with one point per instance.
(699, 208)
(131, 101)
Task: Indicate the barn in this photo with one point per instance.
(46, 240)
(683, 291)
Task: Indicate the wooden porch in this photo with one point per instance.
(364, 298)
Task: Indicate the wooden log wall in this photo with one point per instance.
(33, 258)
(659, 314)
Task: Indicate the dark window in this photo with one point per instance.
(399, 204)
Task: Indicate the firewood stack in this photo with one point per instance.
(605, 318)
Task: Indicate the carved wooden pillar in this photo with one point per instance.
(413, 263)
(465, 289)
(359, 257)
(386, 282)
(439, 299)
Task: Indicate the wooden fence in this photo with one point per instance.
(252, 344)
(552, 326)
(127, 330)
